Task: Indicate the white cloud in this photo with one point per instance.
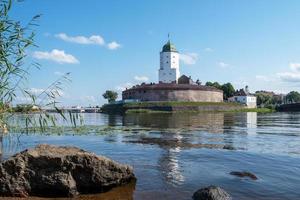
(223, 65)
(20, 99)
(189, 58)
(88, 99)
(241, 82)
(56, 55)
(58, 93)
(58, 73)
(269, 78)
(137, 80)
(36, 90)
(262, 77)
(141, 78)
(94, 39)
(113, 45)
(295, 67)
(208, 49)
(289, 76)
(91, 40)
(124, 86)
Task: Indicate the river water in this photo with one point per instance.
(173, 155)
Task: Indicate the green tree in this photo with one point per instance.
(213, 84)
(228, 90)
(208, 83)
(110, 95)
(263, 99)
(277, 99)
(293, 97)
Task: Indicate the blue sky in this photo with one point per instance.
(113, 44)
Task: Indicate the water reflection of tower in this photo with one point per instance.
(173, 133)
(211, 122)
(251, 119)
(240, 126)
(169, 162)
(242, 122)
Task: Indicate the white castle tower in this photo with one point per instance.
(169, 64)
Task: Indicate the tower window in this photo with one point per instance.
(167, 62)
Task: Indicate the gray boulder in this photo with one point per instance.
(52, 171)
(211, 193)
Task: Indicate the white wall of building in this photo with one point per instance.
(249, 101)
(169, 67)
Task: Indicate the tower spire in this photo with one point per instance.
(169, 36)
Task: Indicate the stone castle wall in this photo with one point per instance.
(174, 95)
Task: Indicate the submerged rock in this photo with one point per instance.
(211, 193)
(229, 147)
(52, 171)
(244, 174)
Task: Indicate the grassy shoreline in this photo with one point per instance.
(178, 107)
(149, 111)
(178, 103)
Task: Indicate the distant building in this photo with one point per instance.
(173, 92)
(171, 86)
(169, 64)
(185, 80)
(35, 108)
(243, 96)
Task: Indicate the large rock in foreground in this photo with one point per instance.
(53, 171)
(211, 193)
